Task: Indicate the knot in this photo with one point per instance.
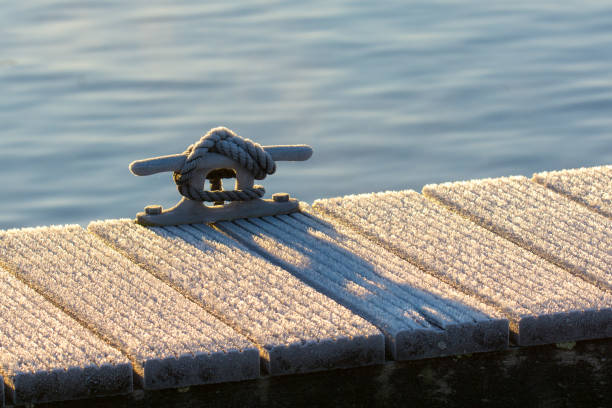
(222, 140)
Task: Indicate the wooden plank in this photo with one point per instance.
(590, 186)
(297, 328)
(47, 356)
(171, 341)
(544, 303)
(421, 316)
(575, 375)
(538, 219)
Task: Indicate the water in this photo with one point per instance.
(391, 95)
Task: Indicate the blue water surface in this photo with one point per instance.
(391, 94)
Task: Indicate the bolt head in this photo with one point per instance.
(153, 209)
(280, 197)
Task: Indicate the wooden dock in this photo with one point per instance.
(355, 281)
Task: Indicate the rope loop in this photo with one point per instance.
(222, 140)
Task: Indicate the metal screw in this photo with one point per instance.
(280, 197)
(153, 209)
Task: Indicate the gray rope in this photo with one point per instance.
(247, 153)
(223, 195)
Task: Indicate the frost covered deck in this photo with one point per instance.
(353, 281)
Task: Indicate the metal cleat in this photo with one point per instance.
(217, 155)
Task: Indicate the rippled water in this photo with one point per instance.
(391, 95)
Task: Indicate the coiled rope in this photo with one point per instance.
(221, 140)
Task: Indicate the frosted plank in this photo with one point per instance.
(47, 356)
(538, 219)
(590, 186)
(171, 341)
(545, 304)
(420, 315)
(297, 328)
